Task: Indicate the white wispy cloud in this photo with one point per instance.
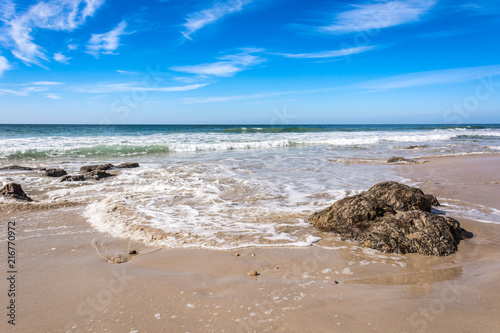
(4, 65)
(24, 91)
(46, 83)
(197, 20)
(131, 87)
(328, 54)
(227, 66)
(108, 42)
(127, 73)
(378, 15)
(60, 15)
(59, 57)
(233, 98)
(53, 96)
(429, 78)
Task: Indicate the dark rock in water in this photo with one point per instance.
(399, 159)
(432, 199)
(416, 146)
(16, 167)
(55, 172)
(392, 217)
(75, 178)
(128, 165)
(99, 174)
(90, 168)
(15, 191)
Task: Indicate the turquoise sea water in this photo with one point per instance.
(225, 186)
(33, 142)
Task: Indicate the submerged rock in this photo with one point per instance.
(55, 172)
(128, 165)
(392, 217)
(399, 159)
(16, 167)
(99, 174)
(74, 178)
(15, 191)
(416, 147)
(90, 168)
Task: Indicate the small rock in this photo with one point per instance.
(128, 165)
(253, 254)
(15, 191)
(99, 174)
(75, 178)
(416, 146)
(90, 168)
(253, 273)
(132, 252)
(336, 282)
(55, 172)
(400, 159)
(276, 268)
(236, 254)
(118, 259)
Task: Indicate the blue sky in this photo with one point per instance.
(249, 61)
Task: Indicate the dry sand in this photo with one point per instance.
(65, 283)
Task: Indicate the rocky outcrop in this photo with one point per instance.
(128, 165)
(16, 167)
(392, 217)
(97, 171)
(15, 191)
(55, 172)
(74, 178)
(101, 167)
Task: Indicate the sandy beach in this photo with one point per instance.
(66, 284)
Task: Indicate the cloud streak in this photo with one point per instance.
(328, 54)
(130, 87)
(379, 15)
(4, 65)
(106, 43)
(198, 20)
(23, 91)
(228, 66)
(59, 15)
(429, 78)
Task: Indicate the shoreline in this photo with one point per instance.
(66, 284)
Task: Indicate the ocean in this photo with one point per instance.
(225, 186)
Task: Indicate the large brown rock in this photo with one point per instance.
(14, 190)
(392, 217)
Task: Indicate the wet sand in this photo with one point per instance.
(65, 283)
